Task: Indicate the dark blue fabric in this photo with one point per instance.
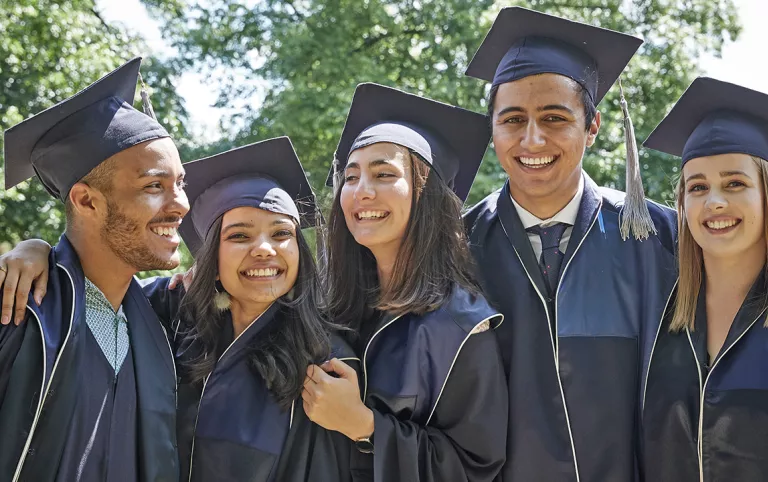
(734, 406)
(64, 143)
(243, 190)
(424, 348)
(86, 139)
(62, 319)
(576, 392)
(265, 175)
(523, 42)
(419, 369)
(102, 440)
(714, 117)
(725, 132)
(309, 452)
(539, 55)
(239, 429)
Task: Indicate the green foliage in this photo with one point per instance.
(49, 50)
(314, 52)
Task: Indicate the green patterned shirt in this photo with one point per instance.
(109, 328)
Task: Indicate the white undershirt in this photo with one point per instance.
(566, 215)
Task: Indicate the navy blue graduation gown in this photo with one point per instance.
(41, 377)
(230, 429)
(101, 441)
(573, 397)
(705, 421)
(439, 412)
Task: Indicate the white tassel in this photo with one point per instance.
(634, 216)
(146, 104)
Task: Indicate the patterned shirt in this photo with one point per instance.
(110, 328)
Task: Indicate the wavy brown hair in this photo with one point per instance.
(433, 257)
(288, 346)
(691, 261)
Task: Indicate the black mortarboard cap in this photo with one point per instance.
(65, 142)
(714, 117)
(266, 175)
(525, 42)
(450, 139)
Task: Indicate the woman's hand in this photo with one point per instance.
(20, 268)
(334, 403)
(182, 278)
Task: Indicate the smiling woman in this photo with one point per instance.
(400, 274)
(705, 406)
(242, 363)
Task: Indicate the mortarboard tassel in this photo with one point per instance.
(146, 104)
(634, 216)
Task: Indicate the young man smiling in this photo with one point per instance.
(579, 301)
(87, 382)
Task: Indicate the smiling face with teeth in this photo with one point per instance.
(540, 135)
(724, 205)
(258, 257)
(376, 197)
(134, 203)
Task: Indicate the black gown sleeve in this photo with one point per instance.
(11, 339)
(466, 438)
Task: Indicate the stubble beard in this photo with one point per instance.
(125, 238)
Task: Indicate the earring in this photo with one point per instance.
(221, 298)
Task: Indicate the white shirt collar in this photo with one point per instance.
(566, 215)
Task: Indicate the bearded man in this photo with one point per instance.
(87, 381)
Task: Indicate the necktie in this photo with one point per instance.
(551, 256)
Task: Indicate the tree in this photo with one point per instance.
(50, 50)
(314, 52)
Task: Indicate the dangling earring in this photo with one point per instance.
(221, 298)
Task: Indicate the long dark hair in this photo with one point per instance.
(289, 345)
(433, 257)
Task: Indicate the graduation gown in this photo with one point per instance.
(708, 422)
(41, 376)
(440, 413)
(230, 428)
(574, 360)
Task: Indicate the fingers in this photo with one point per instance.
(316, 384)
(175, 280)
(41, 287)
(22, 294)
(9, 295)
(340, 368)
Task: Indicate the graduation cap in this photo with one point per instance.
(714, 117)
(266, 175)
(450, 139)
(65, 142)
(525, 42)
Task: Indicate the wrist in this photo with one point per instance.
(364, 427)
